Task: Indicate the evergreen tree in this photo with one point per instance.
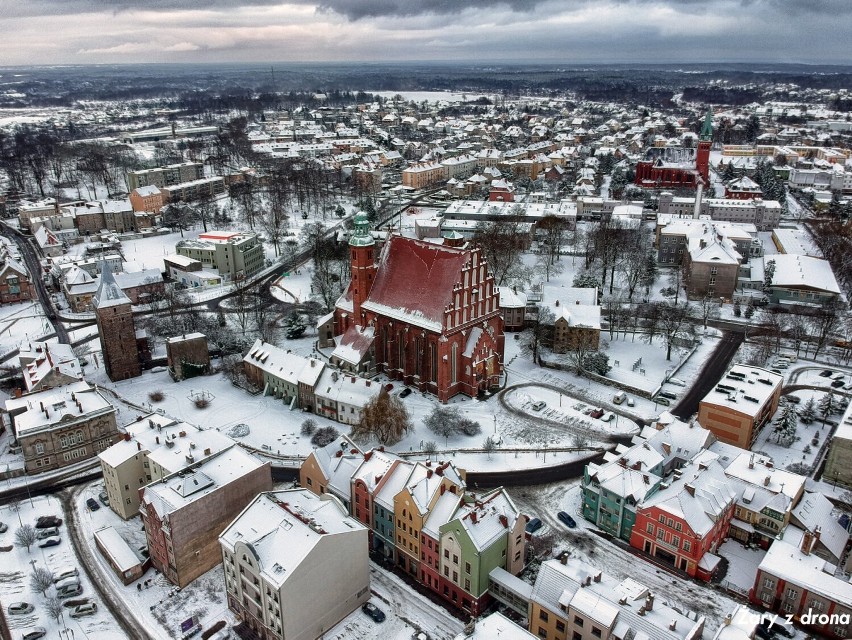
(768, 273)
(809, 411)
(370, 209)
(294, 326)
(729, 174)
(749, 310)
(737, 310)
(586, 279)
(827, 405)
(785, 425)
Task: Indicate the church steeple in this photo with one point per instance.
(363, 265)
(707, 127)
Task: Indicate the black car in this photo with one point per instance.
(837, 383)
(567, 520)
(45, 522)
(533, 525)
(373, 611)
(92, 504)
(825, 373)
(405, 392)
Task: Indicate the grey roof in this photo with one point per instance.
(109, 294)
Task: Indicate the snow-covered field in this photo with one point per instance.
(19, 322)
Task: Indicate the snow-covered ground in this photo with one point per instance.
(21, 321)
(160, 608)
(16, 566)
(742, 564)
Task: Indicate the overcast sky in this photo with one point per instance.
(569, 31)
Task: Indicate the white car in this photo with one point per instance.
(609, 416)
(538, 406)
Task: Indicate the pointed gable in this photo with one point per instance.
(109, 294)
(415, 281)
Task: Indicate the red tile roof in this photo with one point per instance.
(414, 281)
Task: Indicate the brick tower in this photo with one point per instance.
(363, 263)
(702, 158)
(119, 349)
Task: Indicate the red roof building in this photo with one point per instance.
(433, 309)
(669, 168)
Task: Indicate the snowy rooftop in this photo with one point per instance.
(602, 598)
(758, 471)
(45, 409)
(109, 294)
(785, 560)
(795, 271)
(488, 518)
(283, 527)
(119, 551)
(815, 510)
(213, 473)
(796, 242)
(745, 389)
(496, 626)
(441, 513)
(38, 359)
(346, 389)
(284, 364)
(394, 482)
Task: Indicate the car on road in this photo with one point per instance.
(92, 504)
(69, 591)
(104, 498)
(373, 611)
(50, 542)
(20, 608)
(45, 522)
(44, 534)
(538, 406)
(567, 520)
(825, 373)
(82, 610)
(533, 525)
(405, 392)
(34, 634)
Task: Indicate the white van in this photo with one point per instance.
(619, 397)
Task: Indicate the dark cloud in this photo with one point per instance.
(360, 9)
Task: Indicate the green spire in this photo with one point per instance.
(707, 127)
(362, 236)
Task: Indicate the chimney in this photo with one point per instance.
(207, 451)
(473, 517)
(641, 611)
(564, 558)
(443, 488)
(353, 451)
(556, 304)
(728, 619)
(751, 461)
(691, 490)
(139, 446)
(673, 625)
(158, 439)
(649, 602)
(313, 363)
(817, 534)
(127, 437)
(368, 382)
(368, 455)
(807, 543)
(597, 577)
(339, 454)
(766, 481)
(428, 473)
(504, 521)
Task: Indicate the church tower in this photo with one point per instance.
(117, 333)
(702, 158)
(362, 247)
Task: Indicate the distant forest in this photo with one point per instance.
(213, 87)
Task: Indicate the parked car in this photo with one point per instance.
(50, 542)
(43, 534)
(631, 402)
(104, 498)
(596, 413)
(82, 610)
(405, 392)
(388, 387)
(373, 611)
(837, 383)
(619, 397)
(609, 416)
(668, 394)
(65, 572)
(44, 522)
(69, 591)
(3, 527)
(20, 608)
(533, 525)
(838, 376)
(825, 373)
(92, 504)
(793, 399)
(70, 581)
(663, 401)
(567, 520)
(538, 406)
(34, 634)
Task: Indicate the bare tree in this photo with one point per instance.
(488, 446)
(40, 580)
(385, 418)
(53, 606)
(430, 448)
(581, 345)
(26, 536)
(502, 243)
(675, 324)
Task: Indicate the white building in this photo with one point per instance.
(295, 564)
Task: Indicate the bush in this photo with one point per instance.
(324, 436)
(469, 427)
(156, 396)
(309, 426)
(202, 403)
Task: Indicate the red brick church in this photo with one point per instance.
(673, 167)
(427, 314)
